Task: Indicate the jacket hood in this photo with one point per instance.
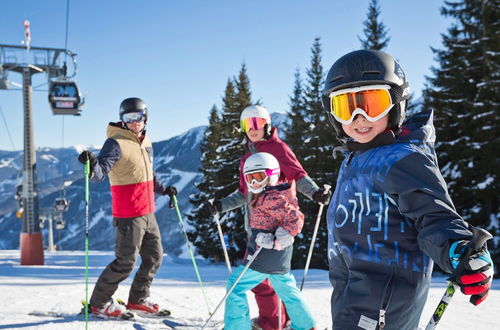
(418, 129)
(119, 129)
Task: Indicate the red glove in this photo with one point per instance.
(474, 273)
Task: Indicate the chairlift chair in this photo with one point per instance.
(19, 192)
(20, 212)
(61, 204)
(60, 224)
(64, 98)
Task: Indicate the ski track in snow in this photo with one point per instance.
(53, 292)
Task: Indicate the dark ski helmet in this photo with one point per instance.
(133, 104)
(368, 67)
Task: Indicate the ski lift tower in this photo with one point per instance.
(28, 61)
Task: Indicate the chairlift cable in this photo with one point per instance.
(7, 129)
(63, 192)
(66, 38)
(65, 74)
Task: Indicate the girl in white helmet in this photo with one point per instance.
(275, 220)
(255, 123)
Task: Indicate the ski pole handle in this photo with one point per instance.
(479, 237)
(327, 188)
(87, 173)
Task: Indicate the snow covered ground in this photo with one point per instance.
(59, 285)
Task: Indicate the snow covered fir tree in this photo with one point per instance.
(311, 137)
(464, 91)
(221, 154)
(375, 31)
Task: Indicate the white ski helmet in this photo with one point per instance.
(256, 111)
(266, 165)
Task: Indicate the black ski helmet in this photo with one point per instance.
(368, 67)
(133, 104)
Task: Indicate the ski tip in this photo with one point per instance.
(172, 324)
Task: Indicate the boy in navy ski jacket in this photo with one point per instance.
(275, 220)
(391, 216)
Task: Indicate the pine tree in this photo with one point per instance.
(316, 157)
(375, 32)
(297, 126)
(222, 150)
(243, 95)
(231, 151)
(464, 91)
(205, 236)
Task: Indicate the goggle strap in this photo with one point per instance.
(397, 93)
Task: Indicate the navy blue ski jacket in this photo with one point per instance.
(389, 219)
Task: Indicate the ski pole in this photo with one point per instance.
(313, 239)
(280, 314)
(480, 236)
(250, 260)
(221, 237)
(190, 251)
(87, 173)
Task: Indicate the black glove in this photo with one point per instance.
(214, 207)
(322, 196)
(170, 190)
(88, 155)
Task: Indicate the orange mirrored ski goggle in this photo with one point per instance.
(260, 176)
(254, 123)
(373, 102)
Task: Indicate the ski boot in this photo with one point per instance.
(147, 307)
(112, 309)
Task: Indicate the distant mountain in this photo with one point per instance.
(176, 163)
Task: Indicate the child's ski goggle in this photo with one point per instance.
(373, 102)
(133, 117)
(258, 178)
(254, 123)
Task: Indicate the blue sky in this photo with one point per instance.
(178, 55)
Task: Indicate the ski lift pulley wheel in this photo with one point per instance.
(64, 98)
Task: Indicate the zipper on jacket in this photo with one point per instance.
(145, 157)
(386, 299)
(381, 319)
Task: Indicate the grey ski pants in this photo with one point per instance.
(134, 236)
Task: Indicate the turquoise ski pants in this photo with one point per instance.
(237, 315)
